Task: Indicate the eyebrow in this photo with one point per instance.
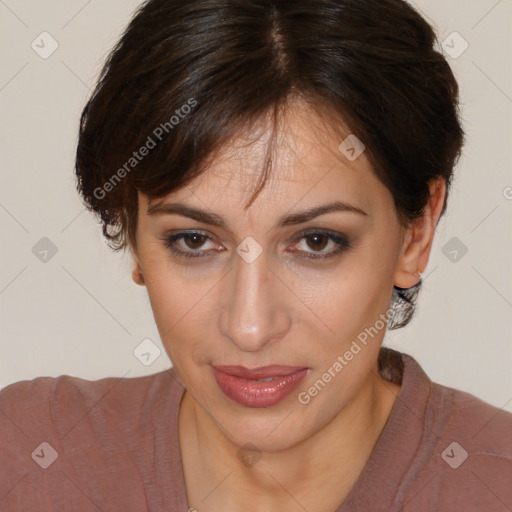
(286, 220)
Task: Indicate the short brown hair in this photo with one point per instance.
(371, 63)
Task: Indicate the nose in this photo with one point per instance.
(254, 311)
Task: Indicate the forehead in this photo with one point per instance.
(307, 167)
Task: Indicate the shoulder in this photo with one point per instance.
(473, 452)
(465, 455)
(58, 399)
(58, 434)
(485, 428)
(40, 391)
(449, 413)
(466, 425)
(66, 406)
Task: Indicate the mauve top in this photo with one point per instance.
(70, 444)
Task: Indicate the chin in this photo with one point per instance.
(262, 435)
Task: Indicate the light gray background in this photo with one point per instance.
(80, 314)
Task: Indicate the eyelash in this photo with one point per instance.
(340, 240)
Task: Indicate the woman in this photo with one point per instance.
(277, 170)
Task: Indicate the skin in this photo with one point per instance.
(280, 309)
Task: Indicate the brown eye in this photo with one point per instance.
(191, 242)
(317, 244)
(194, 240)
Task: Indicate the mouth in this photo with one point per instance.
(258, 387)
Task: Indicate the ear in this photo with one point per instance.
(419, 236)
(137, 275)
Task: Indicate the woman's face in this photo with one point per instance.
(252, 290)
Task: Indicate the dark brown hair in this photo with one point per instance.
(186, 76)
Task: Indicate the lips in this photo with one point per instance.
(258, 387)
(263, 372)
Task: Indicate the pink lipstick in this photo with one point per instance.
(258, 387)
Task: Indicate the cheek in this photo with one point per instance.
(345, 357)
(344, 304)
(349, 327)
(182, 309)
